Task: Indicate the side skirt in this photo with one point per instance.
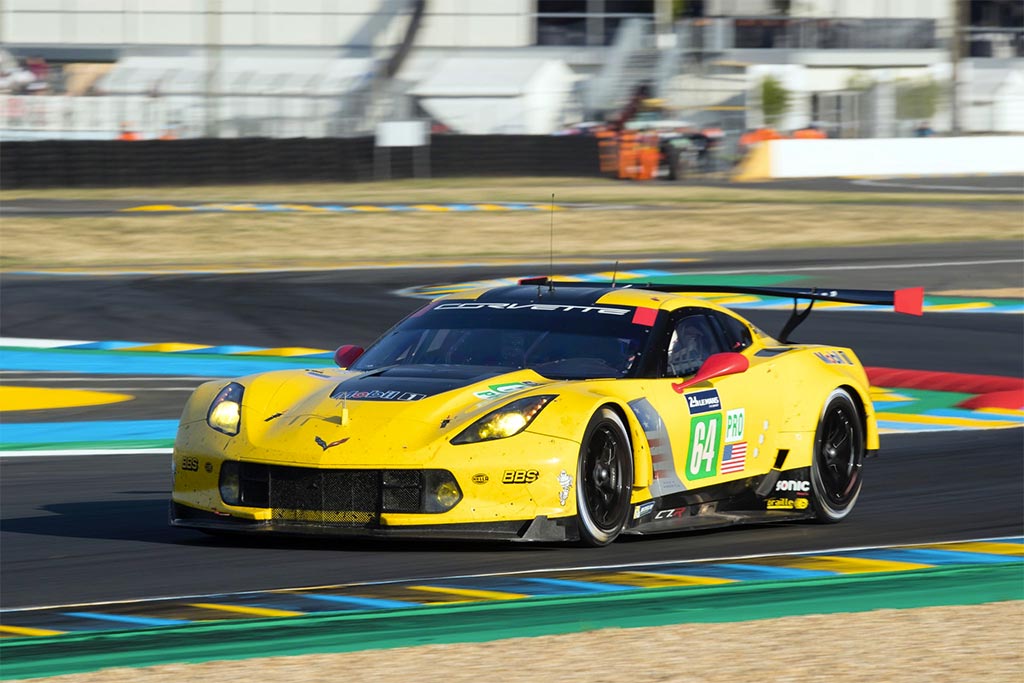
(735, 502)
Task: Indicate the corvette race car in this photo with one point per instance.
(547, 411)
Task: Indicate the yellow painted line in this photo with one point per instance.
(34, 398)
(167, 347)
(846, 565)
(1012, 412)
(656, 580)
(471, 593)
(254, 611)
(369, 207)
(242, 207)
(283, 351)
(958, 307)
(987, 547)
(883, 395)
(24, 631)
(946, 421)
(158, 207)
(431, 207)
(491, 207)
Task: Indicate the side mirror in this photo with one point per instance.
(346, 355)
(717, 365)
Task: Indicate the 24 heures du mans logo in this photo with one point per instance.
(703, 401)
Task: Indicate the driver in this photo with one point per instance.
(688, 348)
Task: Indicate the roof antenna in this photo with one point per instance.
(551, 250)
(615, 273)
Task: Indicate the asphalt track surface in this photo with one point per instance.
(93, 528)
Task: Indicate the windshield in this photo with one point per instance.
(554, 340)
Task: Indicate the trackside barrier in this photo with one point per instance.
(118, 163)
(777, 159)
(494, 620)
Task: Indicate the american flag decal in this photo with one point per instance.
(734, 458)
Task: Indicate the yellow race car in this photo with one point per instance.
(547, 411)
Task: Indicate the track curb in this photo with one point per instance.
(529, 617)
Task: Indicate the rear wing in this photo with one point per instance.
(909, 301)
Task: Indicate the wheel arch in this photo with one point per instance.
(866, 413)
(643, 470)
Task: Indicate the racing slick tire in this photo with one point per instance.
(604, 479)
(838, 457)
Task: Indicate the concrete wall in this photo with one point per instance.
(884, 157)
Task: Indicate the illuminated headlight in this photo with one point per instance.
(225, 413)
(506, 421)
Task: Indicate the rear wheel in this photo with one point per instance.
(604, 479)
(838, 457)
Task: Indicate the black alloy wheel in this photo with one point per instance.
(604, 479)
(838, 458)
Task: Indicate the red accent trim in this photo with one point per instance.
(1009, 400)
(645, 316)
(941, 381)
(909, 301)
(992, 391)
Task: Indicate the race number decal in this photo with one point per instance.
(705, 439)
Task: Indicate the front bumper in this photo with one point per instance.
(538, 529)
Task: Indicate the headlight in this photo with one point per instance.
(225, 413)
(506, 421)
(230, 484)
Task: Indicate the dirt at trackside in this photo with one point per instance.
(932, 644)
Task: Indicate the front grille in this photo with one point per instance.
(345, 497)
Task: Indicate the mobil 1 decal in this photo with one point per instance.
(705, 440)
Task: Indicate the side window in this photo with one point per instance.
(736, 334)
(691, 343)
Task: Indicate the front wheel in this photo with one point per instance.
(838, 457)
(604, 479)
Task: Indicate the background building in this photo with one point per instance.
(311, 68)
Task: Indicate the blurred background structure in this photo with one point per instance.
(173, 69)
(315, 68)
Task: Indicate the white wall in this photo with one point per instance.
(895, 156)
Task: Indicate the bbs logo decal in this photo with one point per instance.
(190, 464)
(703, 402)
(734, 425)
(519, 476)
(705, 443)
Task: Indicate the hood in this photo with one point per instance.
(397, 416)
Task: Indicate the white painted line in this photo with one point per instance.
(919, 186)
(74, 452)
(718, 559)
(887, 266)
(39, 343)
(57, 376)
